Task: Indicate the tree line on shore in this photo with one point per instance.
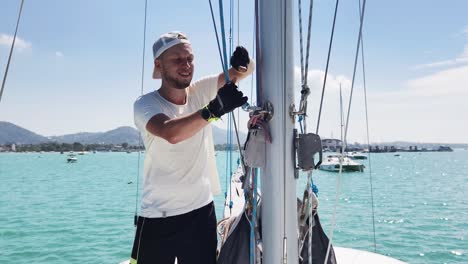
(77, 146)
(65, 147)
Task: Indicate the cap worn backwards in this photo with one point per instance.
(168, 40)
(165, 42)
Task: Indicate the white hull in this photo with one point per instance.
(332, 163)
(357, 156)
(346, 168)
(354, 256)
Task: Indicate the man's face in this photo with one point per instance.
(176, 65)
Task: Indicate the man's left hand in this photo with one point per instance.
(240, 59)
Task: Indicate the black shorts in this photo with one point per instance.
(190, 237)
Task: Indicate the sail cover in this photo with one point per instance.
(235, 246)
(319, 245)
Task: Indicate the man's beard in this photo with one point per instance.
(174, 81)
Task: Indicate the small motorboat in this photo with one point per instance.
(332, 163)
(357, 155)
(71, 158)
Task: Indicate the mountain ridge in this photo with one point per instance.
(11, 133)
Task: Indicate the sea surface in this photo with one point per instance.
(55, 212)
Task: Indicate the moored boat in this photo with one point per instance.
(357, 155)
(71, 158)
(332, 163)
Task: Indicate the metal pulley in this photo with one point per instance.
(306, 146)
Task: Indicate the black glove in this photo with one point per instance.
(227, 99)
(240, 58)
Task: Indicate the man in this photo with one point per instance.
(177, 213)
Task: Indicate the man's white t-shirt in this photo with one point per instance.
(177, 178)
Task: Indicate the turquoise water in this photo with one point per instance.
(54, 212)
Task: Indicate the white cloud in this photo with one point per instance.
(461, 59)
(59, 54)
(20, 44)
(452, 82)
(444, 84)
(316, 77)
(425, 109)
(465, 52)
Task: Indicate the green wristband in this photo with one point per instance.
(207, 115)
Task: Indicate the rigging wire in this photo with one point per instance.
(367, 134)
(229, 119)
(223, 39)
(305, 64)
(226, 76)
(306, 70)
(303, 118)
(258, 57)
(305, 91)
(224, 66)
(343, 139)
(238, 22)
(338, 183)
(300, 41)
(139, 134)
(11, 50)
(326, 68)
(253, 55)
(354, 71)
(259, 98)
(238, 43)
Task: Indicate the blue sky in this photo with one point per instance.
(77, 64)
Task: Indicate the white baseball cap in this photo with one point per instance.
(165, 42)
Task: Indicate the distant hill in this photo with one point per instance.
(11, 133)
(115, 136)
(220, 136)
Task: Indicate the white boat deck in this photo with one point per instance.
(354, 256)
(351, 256)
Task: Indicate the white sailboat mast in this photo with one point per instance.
(279, 212)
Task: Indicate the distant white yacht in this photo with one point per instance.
(357, 155)
(332, 163)
(71, 158)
